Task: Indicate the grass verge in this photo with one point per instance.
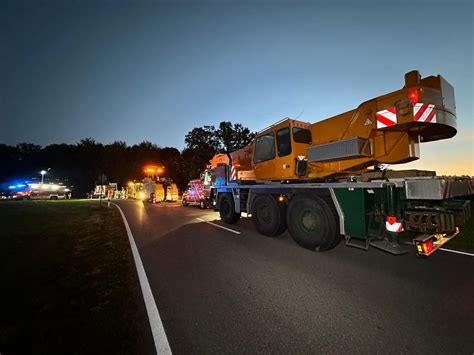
(465, 240)
(69, 283)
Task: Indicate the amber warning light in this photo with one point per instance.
(153, 169)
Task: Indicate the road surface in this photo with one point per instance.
(222, 292)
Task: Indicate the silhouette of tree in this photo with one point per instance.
(233, 137)
(82, 163)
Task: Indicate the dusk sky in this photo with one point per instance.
(153, 70)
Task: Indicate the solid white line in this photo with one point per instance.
(456, 251)
(216, 225)
(159, 336)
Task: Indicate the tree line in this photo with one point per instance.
(82, 164)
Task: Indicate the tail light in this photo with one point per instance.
(427, 247)
(413, 96)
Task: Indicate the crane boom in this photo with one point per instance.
(387, 129)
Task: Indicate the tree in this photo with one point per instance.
(233, 137)
(202, 143)
(80, 164)
(228, 138)
(203, 138)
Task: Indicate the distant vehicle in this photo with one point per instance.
(37, 191)
(104, 191)
(153, 191)
(197, 192)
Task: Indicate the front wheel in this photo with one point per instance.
(202, 204)
(311, 223)
(184, 203)
(227, 209)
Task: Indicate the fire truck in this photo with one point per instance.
(325, 181)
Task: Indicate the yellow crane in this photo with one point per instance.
(385, 130)
(320, 180)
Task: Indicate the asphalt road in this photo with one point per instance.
(222, 292)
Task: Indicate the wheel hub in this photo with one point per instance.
(309, 221)
(264, 214)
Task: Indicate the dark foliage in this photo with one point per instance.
(84, 163)
(203, 142)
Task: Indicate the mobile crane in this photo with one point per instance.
(322, 181)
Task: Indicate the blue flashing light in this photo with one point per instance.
(220, 181)
(16, 185)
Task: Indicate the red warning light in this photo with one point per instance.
(413, 96)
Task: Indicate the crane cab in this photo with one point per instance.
(278, 149)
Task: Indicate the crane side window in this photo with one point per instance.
(284, 142)
(264, 148)
(302, 135)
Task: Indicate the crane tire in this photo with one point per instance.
(311, 223)
(338, 237)
(227, 209)
(269, 216)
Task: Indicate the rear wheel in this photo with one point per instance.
(269, 216)
(311, 223)
(227, 209)
(202, 204)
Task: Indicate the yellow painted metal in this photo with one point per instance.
(391, 145)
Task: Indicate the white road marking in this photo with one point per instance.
(216, 225)
(456, 251)
(159, 336)
(444, 249)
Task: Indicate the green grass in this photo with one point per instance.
(68, 281)
(465, 240)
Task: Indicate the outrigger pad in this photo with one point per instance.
(385, 245)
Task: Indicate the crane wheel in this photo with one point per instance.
(227, 209)
(311, 223)
(269, 216)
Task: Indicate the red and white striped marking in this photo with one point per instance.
(392, 225)
(233, 173)
(424, 113)
(386, 118)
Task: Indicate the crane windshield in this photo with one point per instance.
(301, 135)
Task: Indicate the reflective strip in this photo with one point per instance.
(233, 173)
(386, 118)
(424, 113)
(392, 225)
